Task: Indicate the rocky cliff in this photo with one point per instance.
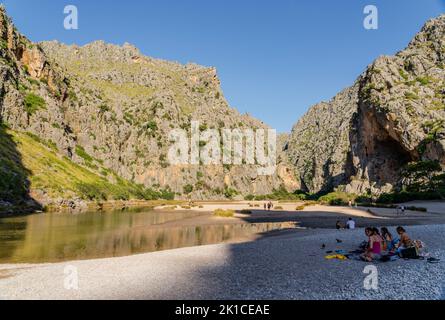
(110, 109)
(392, 115)
(94, 122)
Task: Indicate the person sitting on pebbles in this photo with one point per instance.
(389, 242)
(374, 249)
(405, 241)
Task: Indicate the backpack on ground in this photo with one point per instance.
(410, 253)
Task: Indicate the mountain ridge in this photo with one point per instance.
(109, 108)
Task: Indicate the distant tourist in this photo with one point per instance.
(350, 224)
(401, 210)
(269, 206)
(265, 206)
(338, 225)
(350, 203)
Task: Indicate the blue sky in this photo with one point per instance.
(275, 58)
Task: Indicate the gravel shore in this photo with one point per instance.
(284, 266)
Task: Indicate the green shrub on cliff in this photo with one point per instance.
(34, 103)
(80, 151)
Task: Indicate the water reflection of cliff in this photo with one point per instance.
(50, 238)
(12, 234)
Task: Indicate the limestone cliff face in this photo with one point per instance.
(319, 145)
(24, 69)
(392, 115)
(110, 108)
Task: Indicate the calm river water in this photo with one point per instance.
(60, 237)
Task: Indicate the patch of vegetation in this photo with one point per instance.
(188, 189)
(423, 180)
(403, 75)
(200, 90)
(103, 108)
(230, 193)
(151, 125)
(34, 82)
(203, 127)
(282, 194)
(3, 44)
(337, 198)
(224, 213)
(72, 96)
(129, 118)
(80, 151)
(130, 90)
(59, 176)
(47, 143)
(200, 185)
(424, 81)
(34, 103)
(411, 96)
(433, 129)
(249, 197)
(404, 196)
(22, 88)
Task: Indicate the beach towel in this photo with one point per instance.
(336, 256)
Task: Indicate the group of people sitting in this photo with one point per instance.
(382, 241)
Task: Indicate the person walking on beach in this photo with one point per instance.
(402, 209)
(269, 206)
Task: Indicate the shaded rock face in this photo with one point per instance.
(319, 144)
(111, 108)
(392, 115)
